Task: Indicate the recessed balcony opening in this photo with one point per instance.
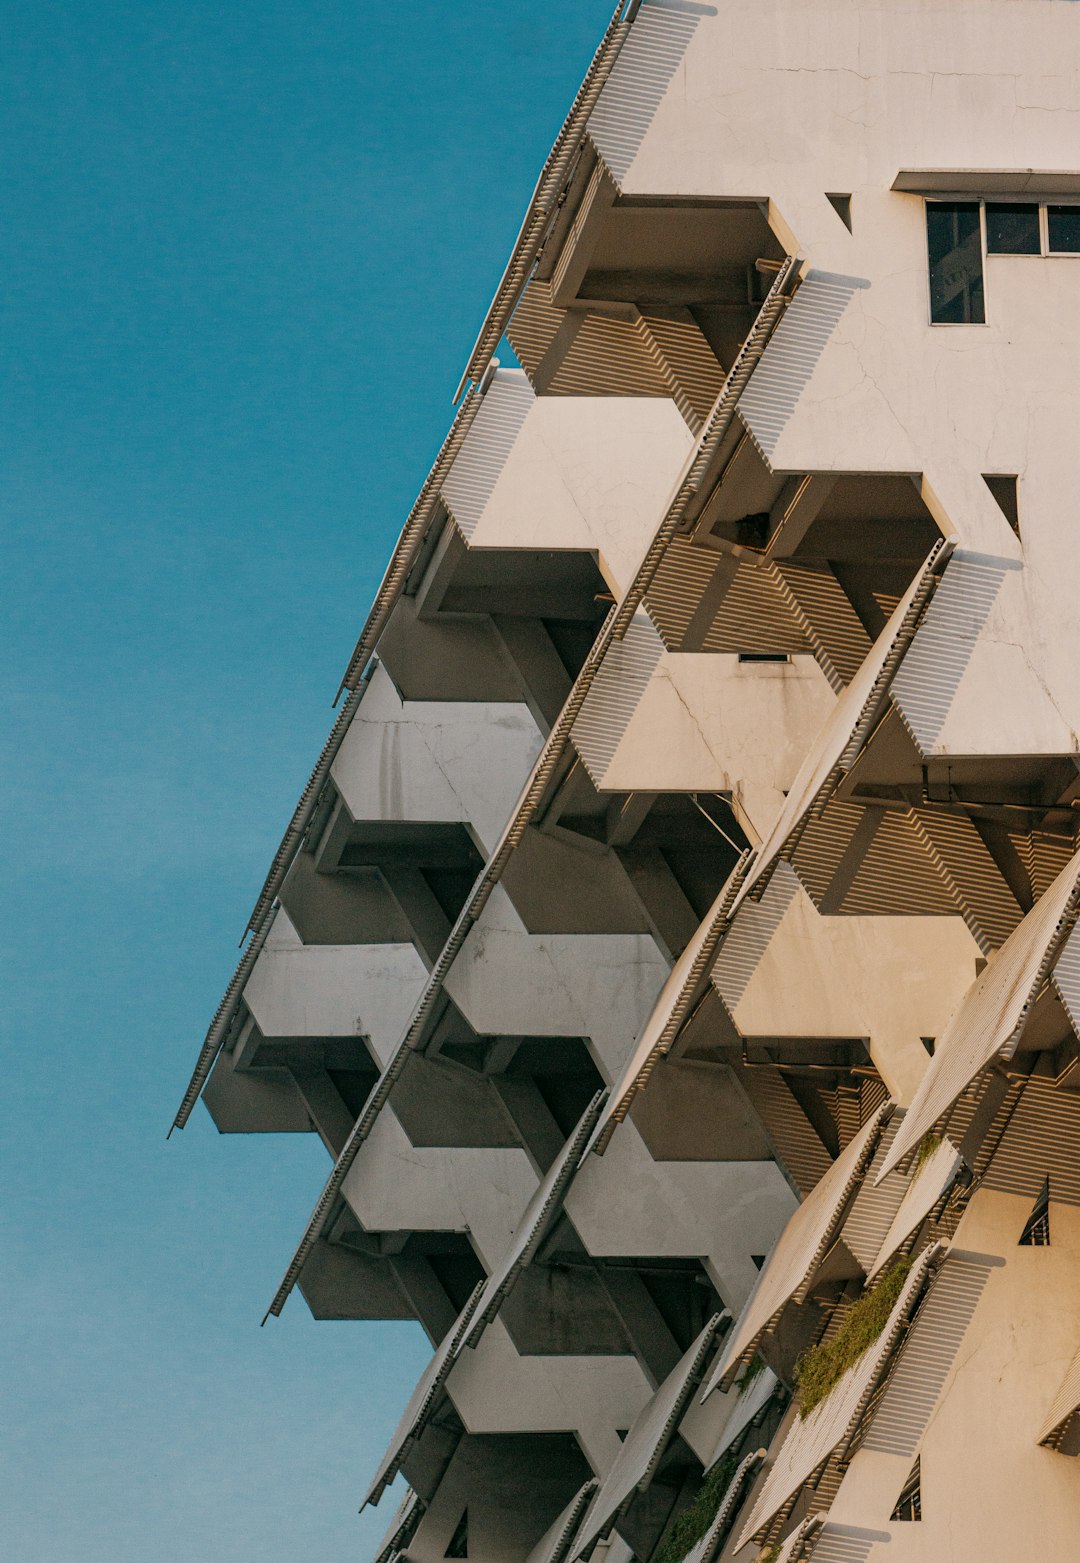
(872, 531)
(495, 623)
(568, 1302)
(639, 862)
(466, 1089)
(353, 1274)
(692, 840)
(644, 296)
(382, 882)
(299, 1084)
(512, 1485)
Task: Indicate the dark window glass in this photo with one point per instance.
(1012, 228)
(954, 245)
(1063, 223)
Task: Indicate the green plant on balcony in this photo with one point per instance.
(694, 1521)
(927, 1146)
(770, 1554)
(753, 1369)
(822, 1367)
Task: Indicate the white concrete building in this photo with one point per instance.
(674, 946)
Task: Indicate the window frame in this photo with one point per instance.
(953, 198)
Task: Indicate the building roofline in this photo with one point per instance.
(547, 197)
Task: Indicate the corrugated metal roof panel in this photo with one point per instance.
(1064, 1405)
(555, 1542)
(842, 732)
(794, 1548)
(406, 1518)
(705, 1550)
(988, 1019)
(799, 1251)
(530, 1230)
(874, 1206)
(645, 1442)
(670, 1009)
(421, 1402)
(920, 1194)
(811, 1440)
(1066, 978)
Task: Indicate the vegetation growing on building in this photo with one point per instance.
(694, 1521)
(822, 1367)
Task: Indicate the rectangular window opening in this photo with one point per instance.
(954, 248)
(1063, 230)
(1012, 228)
(764, 656)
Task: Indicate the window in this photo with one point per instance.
(1036, 1233)
(1012, 228)
(1063, 230)
(459, 1541)
(954, 246)
(1003, 486)
(909, 1503)
(956, 232)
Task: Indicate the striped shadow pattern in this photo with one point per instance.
(616, 693)
(1066, 978)
(653, 52)
(1064, 1407)
(792, 356)
(477, 466)
(1041, 1140)
(924, 1193)
(926, 685)
(874, 1206)
(845, 1544)
(750, 935)
(928, 1353)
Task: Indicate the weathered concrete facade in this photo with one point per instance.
(675, 947)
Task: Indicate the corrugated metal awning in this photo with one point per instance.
(990, 1017)
(539, 1214)
(829, 1427)
(705, 1550)
(799, 1251)
(421, 1402)
(1065, 1405)
(645, 1443)
(848, 724)
(554, 1543)
(671, 1009)
(922, 1193)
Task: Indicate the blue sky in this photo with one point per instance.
(245, 251)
